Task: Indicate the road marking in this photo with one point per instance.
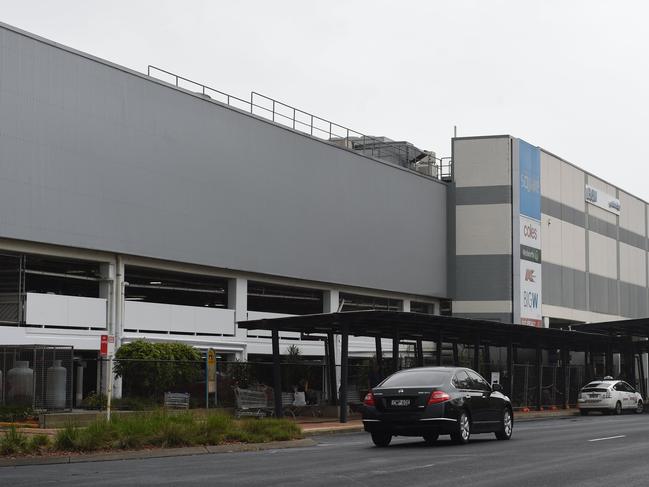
(608, 438)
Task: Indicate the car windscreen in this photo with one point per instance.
(413, 378)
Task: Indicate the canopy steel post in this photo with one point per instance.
(456, 355)
(420, 353)
(587, 359)
(440, 344)
(510, 368)
(331, 366)
(395, 350)
(344, 352)
(277, 375)
(476, 354)
(379, 351)
(539, 379)
(609, 360)
(565, 360)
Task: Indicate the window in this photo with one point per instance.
(290, 300)
(166, 287)
(413, 378)
(478, 383)
(462, 380)
(357, 302)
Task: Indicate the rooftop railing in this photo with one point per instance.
(397, 152)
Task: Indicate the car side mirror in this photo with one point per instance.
(497, 387)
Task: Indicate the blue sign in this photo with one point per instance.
(530, 180)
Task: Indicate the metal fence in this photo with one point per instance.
(37, 377)
(143, 383)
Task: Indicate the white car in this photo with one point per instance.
(609, 396)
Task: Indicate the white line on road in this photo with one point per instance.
(608, 438)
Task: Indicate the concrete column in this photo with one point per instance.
(112, 290)
(406, 305)
(330, 304)
(277, 376)
(344, 373)
(78, 396)
(238, 301)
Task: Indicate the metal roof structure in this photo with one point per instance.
(416, 326)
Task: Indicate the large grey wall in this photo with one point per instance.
(95, 156)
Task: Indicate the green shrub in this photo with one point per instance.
(16, 413)
(67, 438)
(13, 442)
(38, 443)
(94, 401)
(150, 369)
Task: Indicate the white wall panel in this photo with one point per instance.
(59, 310)
(632, 265)
(260, 315)
(172, 318)
(483, 229)
(632, 213)
(485, 162)
(603, 255)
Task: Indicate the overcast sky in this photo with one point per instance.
(569, 76)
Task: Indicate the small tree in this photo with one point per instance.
(150, 369)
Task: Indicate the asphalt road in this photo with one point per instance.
(589, 451)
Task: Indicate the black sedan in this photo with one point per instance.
(433, 401)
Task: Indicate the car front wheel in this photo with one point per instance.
(506, 426)
(381, 438)
(462, 433)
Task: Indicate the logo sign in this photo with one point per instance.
(530, 296)
(530, 234)
(602, 200)
(530, 180)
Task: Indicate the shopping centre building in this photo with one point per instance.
(148, 206)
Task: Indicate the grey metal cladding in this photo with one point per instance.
(501, 317)
(483, 277)
(96, 157)
(571, 215)
(603, 294)
(633, 300)
(484, 195)
(563, 212)
(631, 238)
(563, 286)
(602, 227)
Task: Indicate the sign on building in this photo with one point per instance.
(601, 199)
(107, 345)
(530, 234)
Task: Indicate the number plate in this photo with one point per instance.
(400, 402)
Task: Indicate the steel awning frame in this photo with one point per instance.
(416, 326)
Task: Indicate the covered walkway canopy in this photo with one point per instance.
(415, 327)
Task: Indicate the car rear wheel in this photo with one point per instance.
(506, 426)
(431, 438)
(381, 438)
(618, 408)
(639, 408)
(583, 412)
(462, 433)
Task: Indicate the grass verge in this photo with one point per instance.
(153, 429)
